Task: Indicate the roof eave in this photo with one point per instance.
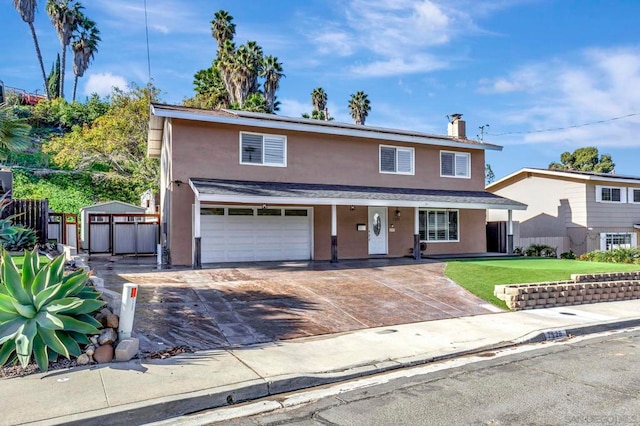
(159, 111)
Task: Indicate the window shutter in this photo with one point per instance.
(446, 163)
(462, 165)
(387, 159)
(405, 160)
(623, 195)
(273, 150)
(598, 194)
(251, 148)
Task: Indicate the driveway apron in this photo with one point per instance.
(235, 305)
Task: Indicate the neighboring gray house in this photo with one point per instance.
(107, 208)
(591, 211)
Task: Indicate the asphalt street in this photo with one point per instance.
(584, 382)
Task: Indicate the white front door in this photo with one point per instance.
(377, 230)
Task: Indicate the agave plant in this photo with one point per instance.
(43, 311)
(22, 239)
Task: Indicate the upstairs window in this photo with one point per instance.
(396, 160)
(265, 150)
(455, 164)
(634, 195)
(610, 194)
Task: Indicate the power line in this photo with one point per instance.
(146, 28)
(575, 126)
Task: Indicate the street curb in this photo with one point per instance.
(158, 409)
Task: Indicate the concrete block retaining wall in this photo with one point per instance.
(581, 289)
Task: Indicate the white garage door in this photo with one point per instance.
(244, 234)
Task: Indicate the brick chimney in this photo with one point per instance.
(457, 127)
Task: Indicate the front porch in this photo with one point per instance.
(344, 222)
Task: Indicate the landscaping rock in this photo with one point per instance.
(113, 321)
(94, 340)
(107, 336)
(83, 359)
(103, 354)
(127, 349)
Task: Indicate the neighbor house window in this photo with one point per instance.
(610, 194)
(439, 225)
(265, 150)
(611, 241)
(455, 164)
(634, 195)
(396, 160)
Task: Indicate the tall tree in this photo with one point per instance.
(359, 106)
(14, 132)
(585, 159)
(272, 73)
(27, 11)
(222, 28)
(319, 99)
(84, 45)
(489, 176)
(65, 18)
(53, 79)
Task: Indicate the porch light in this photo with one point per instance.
(397, 213)
(352, 208)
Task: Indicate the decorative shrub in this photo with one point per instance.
(568, 255)
(44, 312)
(619, 255)
(22, 239)
(540, 250)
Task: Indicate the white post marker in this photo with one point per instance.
(159, 254)
(127, 310)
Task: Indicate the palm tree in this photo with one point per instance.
(14, 132)
(27, 11)
(84, 46)
(222, 28)
(319, 99)
(245, 69)
(65, 18)
(359, 106)
(272, 73)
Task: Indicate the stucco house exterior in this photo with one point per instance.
(242, 186)
(594, 211)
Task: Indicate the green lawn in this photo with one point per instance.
(19, 260)
(480, 276)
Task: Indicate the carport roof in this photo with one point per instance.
(234, 191)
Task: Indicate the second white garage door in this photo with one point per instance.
(247, 234)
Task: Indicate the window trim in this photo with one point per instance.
(263, 164)
(428, 241)
(623, 194)
(455, 154)
(633, 239)
(404, 148)
(630, 195)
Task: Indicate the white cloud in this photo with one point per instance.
(398, 36)
(564, 94)
(103, 83)
(293, 107)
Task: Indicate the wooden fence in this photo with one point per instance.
(33, 214)
(561, 244)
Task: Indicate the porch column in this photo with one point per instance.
(416, 233)
(510, 232)
(334, 234)
(197, 246)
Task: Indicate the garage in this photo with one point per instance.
(248, 234)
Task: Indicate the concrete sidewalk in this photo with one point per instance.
(144, 391)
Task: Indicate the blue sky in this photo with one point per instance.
(517, 65)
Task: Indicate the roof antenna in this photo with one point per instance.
(481, 135)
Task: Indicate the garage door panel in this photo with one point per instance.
(255, 238)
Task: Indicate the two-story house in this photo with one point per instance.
(593, 211)
(241, 186)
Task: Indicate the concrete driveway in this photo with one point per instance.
(246, 304)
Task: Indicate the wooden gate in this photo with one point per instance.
(63, 228)
(123, 233)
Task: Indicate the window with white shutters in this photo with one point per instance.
(634, 195)
(396, 160)
(455, 164)
(438, 225)
(266, 150)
